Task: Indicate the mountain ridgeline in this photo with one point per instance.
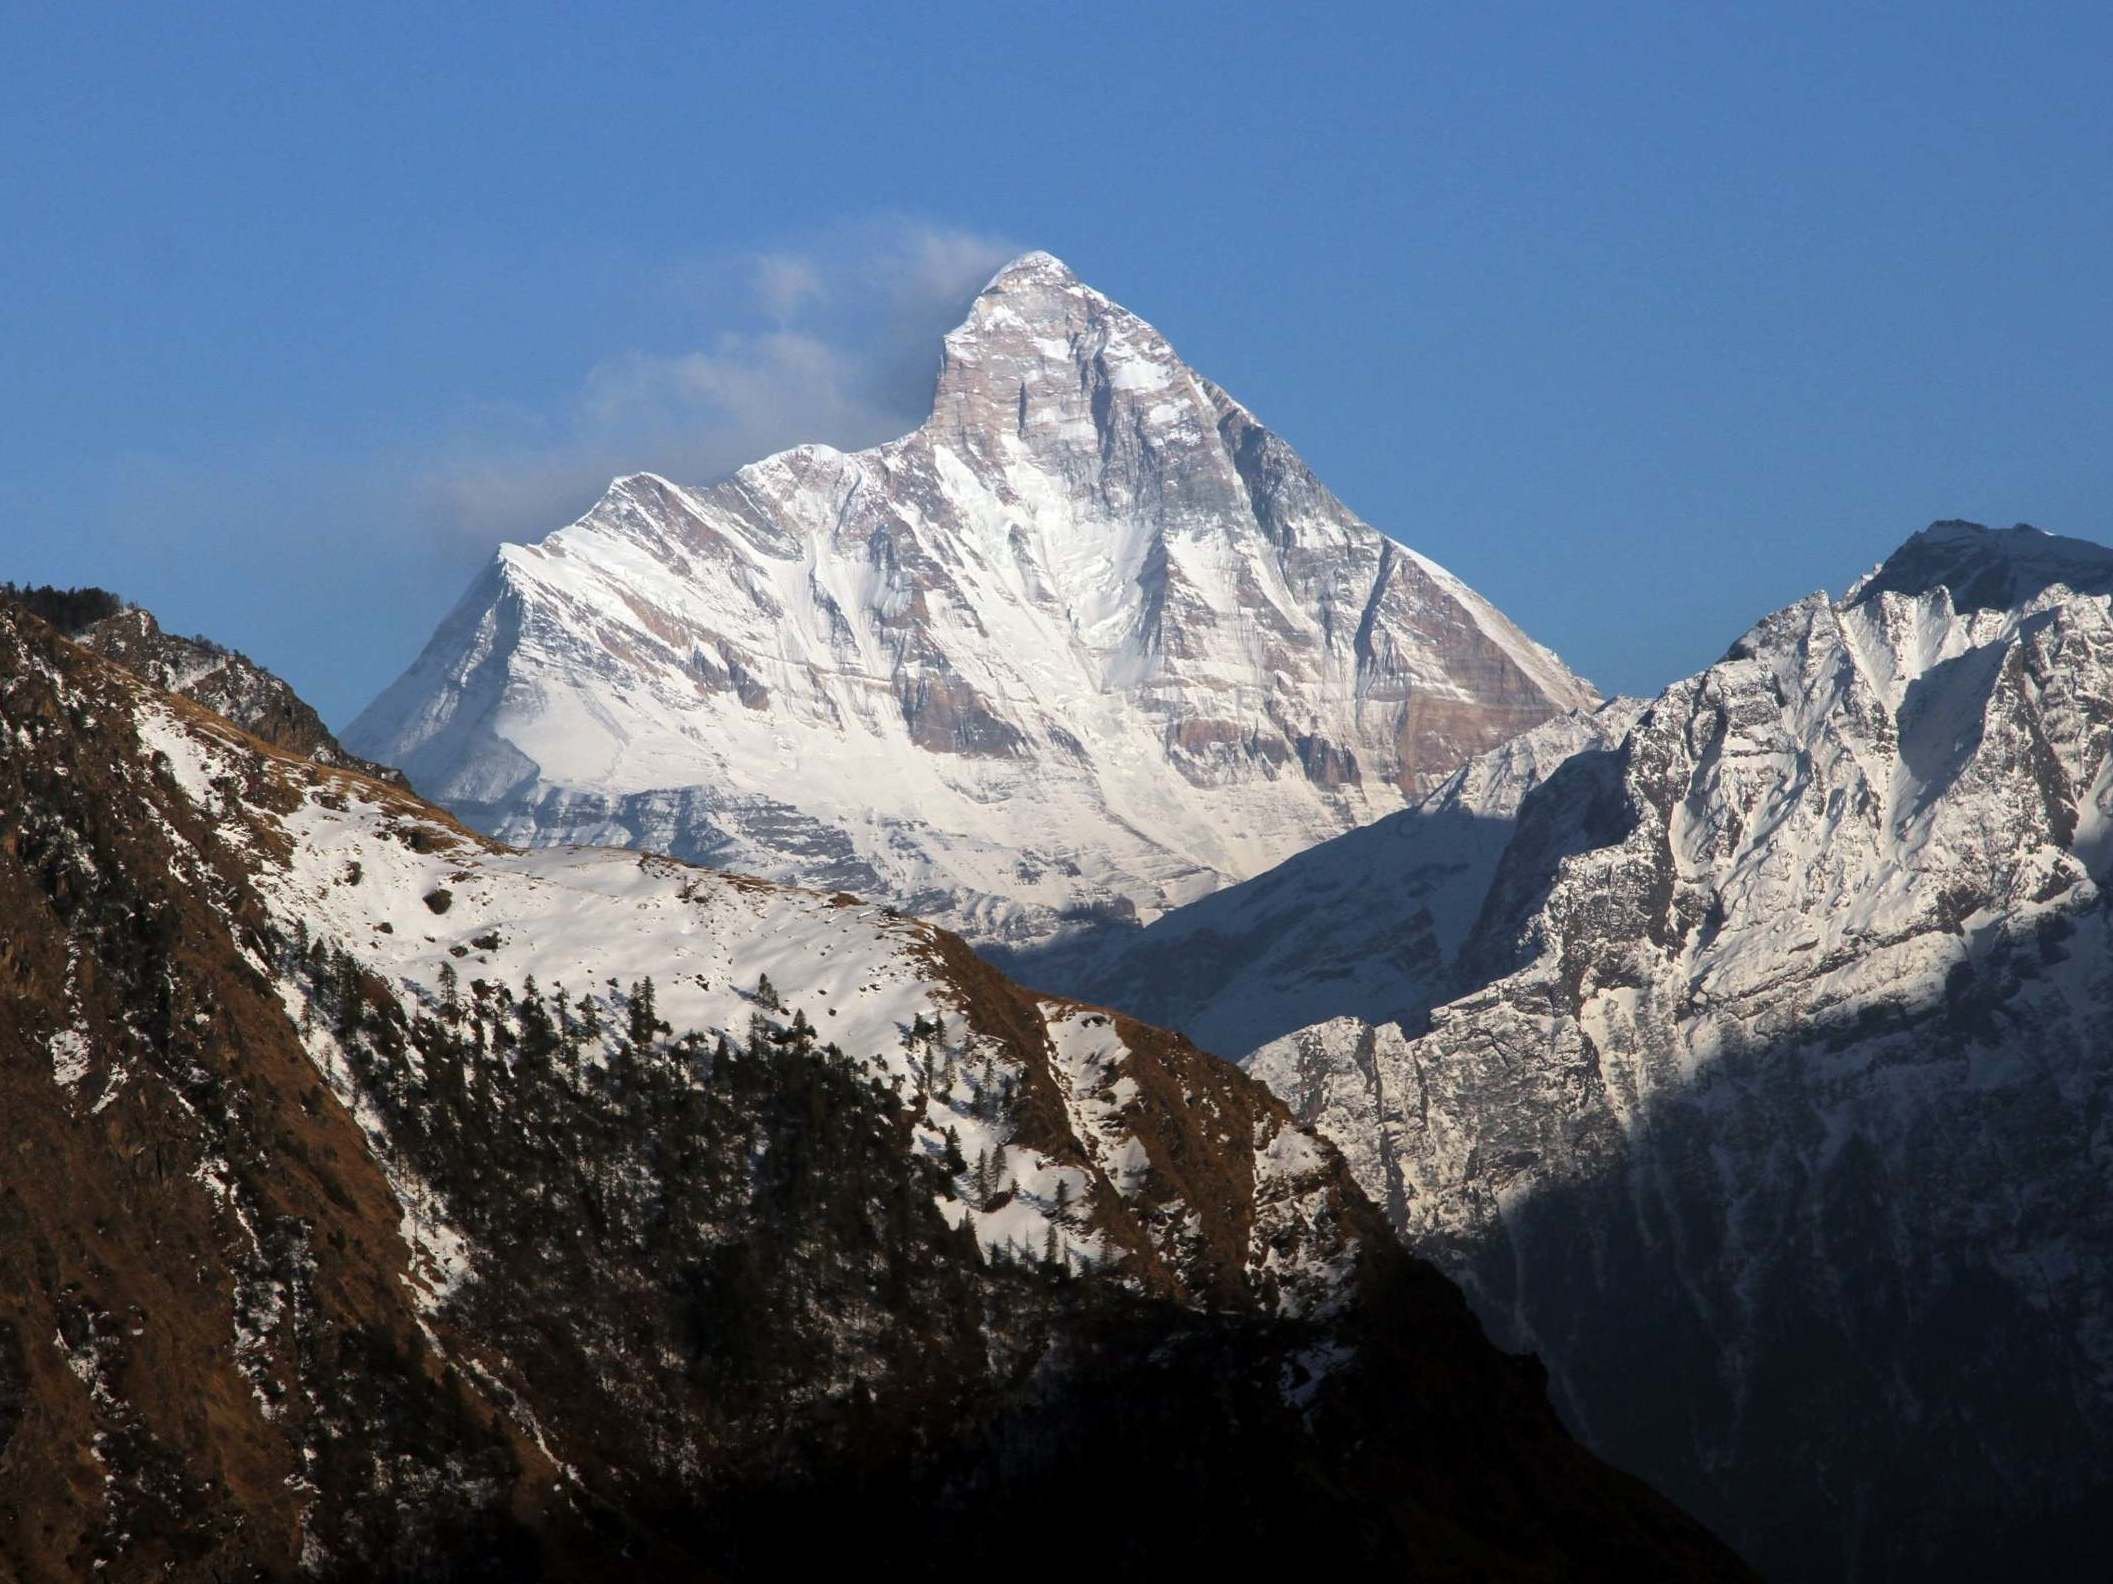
(386, 1203)
(226, 682)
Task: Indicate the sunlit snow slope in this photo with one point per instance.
(1091, 640)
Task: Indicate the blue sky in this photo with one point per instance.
(1644, 319)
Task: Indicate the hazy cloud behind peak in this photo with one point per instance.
(834, 340)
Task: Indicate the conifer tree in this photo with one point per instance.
(539, 1036)
(644, 1017)
(350, 1002)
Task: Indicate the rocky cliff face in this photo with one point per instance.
(1771, 1107)
(1091, 642)
(383, 1202)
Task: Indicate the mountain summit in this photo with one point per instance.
(1989, 569)
(1090, 641)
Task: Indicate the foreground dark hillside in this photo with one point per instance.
(337, 1235)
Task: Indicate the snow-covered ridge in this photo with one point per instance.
(1089, 642)
(423, 904)
(1783, 1034)
(224, 681)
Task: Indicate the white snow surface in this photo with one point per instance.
(1089, 638)
(69, 1057)
(1364, 926)
(577, 917)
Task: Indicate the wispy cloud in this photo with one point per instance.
(833, 337)
(786, 283)
(833, 340)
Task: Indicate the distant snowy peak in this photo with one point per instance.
(1989, 569)
(1090, 641)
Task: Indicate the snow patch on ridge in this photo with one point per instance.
(69, 1050)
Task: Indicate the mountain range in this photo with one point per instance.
(672, 1145)
(1744, 1052)
(1740, 1051)
(384, 1202)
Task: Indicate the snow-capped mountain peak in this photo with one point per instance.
(1988, 569)
(1034, 266)
(1089, 640)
